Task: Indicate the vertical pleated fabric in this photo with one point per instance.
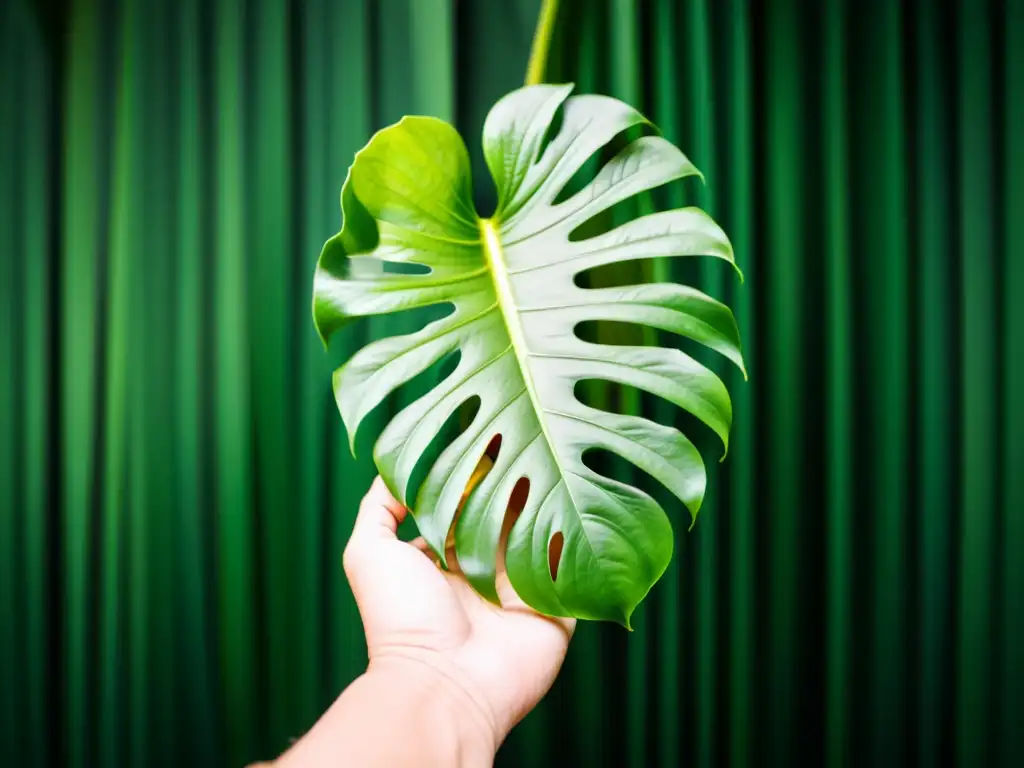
(176, 486)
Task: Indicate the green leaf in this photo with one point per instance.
(509, 280)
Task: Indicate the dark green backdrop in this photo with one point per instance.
(175, 489)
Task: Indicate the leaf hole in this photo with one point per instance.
(608, 464)
(613, 466)
(617, 333)
(621, 274)
(616, 398)
(493, 448)
(399, 323)
(693, 271)
(453, 426)
(554, 128)
(624, 211)
(483, 467)
(555, 553)
(405, 268)
(401, 396)
(516, 505)
(588, 171)
(621, 398)
(468, 411)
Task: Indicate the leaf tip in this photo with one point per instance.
(693, 506)
(351, 436)
(321, 332)
(625, 620)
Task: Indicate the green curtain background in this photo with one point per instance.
(175, 486)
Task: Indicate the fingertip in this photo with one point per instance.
(381, 494)
(380, 513)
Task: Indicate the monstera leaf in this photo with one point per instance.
(509, 283)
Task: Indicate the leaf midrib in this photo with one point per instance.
(495, 256)
(509, 310)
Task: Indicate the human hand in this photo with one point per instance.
(422, 621)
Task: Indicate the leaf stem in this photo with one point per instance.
(541, 42)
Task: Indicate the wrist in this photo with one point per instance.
(443, 695)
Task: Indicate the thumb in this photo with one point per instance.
(378, 519)
(379, 514)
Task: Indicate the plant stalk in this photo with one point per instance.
(541, 42)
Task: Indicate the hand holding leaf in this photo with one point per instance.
(510, 280)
